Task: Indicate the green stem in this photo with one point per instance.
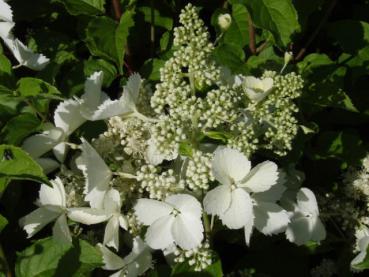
(205, 218)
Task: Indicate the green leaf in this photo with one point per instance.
(28, 87)
(324, 82)
(3, 184)
(185, 149)
(238, 33)
(19, 127)
(277, 16)
(89, 7)
(47, 257)
(218, 135)
(6, 72)
(93, 65)
(107, 39)
(351, 35)
(159, 19)
(121, 35)
(229, 56)
(17, 164)
(151, 69)
(3, 222)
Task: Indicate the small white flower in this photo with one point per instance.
(52, 207)
(257, 89)
(305, 222)
(97, 174)
(135, 264)
(362, 242)
(224, 21)
(243, 199)
(110, 212)
(176, 220)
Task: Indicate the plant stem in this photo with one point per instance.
(152, 29)
(317, 30)
(252, 45)
(117, 9)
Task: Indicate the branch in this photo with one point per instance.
(251, 35)
(117, 9)
(317, 30)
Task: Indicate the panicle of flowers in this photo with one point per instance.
(158, 185)
(198, 172)
(199, 258)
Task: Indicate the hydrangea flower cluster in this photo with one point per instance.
(171, 159)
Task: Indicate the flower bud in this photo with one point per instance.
(288, 55)
(224, 21)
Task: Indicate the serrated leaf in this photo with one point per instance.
(47, 257)
(277, 16)
(19, 127)
(151, 69)
(28, 87)
(229, 56)
(89, 7)
(159, 19)
(238, 33)
(17, 164)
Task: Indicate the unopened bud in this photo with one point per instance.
(224, 21)
(288, 55)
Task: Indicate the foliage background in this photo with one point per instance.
(330, 42)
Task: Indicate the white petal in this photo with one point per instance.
(68, 117)
(186, 204)
(88, 216)
(61, 232)
(92, 96)
(271, 195)
(270, 218)
(318, 230)
(5, 29)
(218, 200)
(60, 151)
(111, 235)
(229, 165)
(267, 84)
(306, 201)
(48, 165)
(26, 56)
(97, 174)
(131, 91)
(187, 231)
(159, 234)
(54, 195)
(6, 13)
(239, 212)
(359, 258)
(153, 156)
(112, 202)
(39, 144)
(36, 220)
(363, 245)
(140, 259)
(107, 109)
(249, 226)
(111, 260)
(261, 178)
(298, 231)
(148, 210)
(123, 223)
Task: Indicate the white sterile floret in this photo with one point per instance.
(52, 207)
(362, 243)
(6, 13)
(110, 212)
(134, 264)
(97, 174)
(305, 222)
(175, 220)
(257, 89)
(237, 201)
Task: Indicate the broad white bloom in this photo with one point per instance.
(176, 220)
(97, 175)
(6, 13)
(110, 212)
(52, 207)
(242, 201)
(305, 223)
(257, 89)
(362, 243)
(134, 264)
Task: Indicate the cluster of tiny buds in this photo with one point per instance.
(198, 172)
(199, 258)
(159, 186)
(134, 226)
